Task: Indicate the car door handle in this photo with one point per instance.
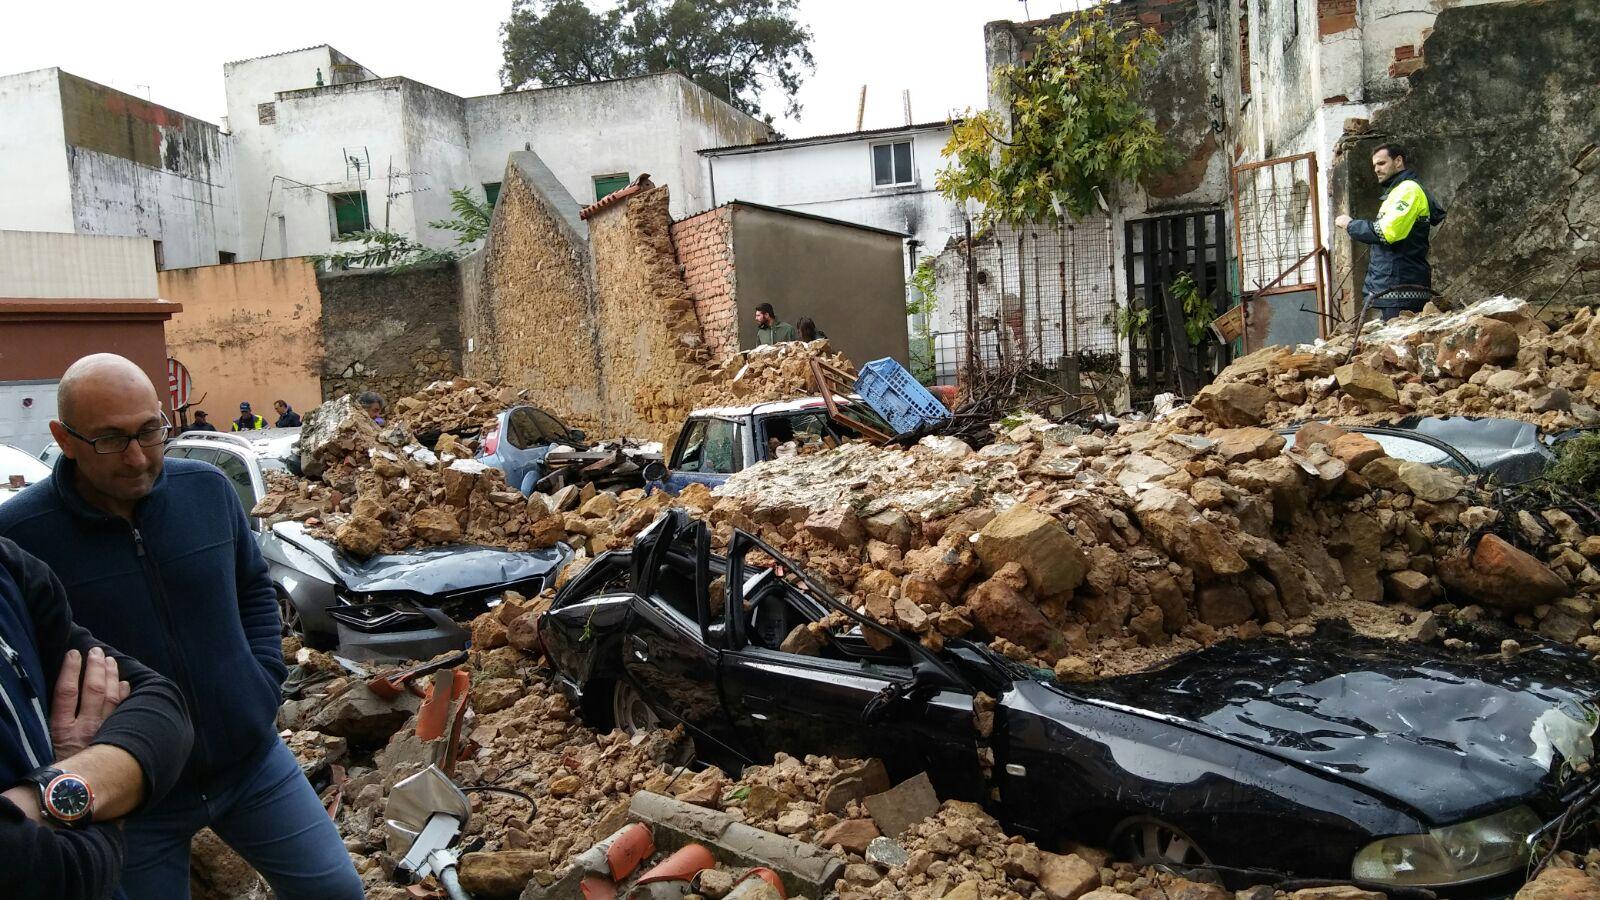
(641, 649)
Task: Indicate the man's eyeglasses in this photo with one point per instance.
(116, 443)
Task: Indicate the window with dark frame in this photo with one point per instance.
(226, 256)
(492, 192)
(891, 165)
(349, 213)
(161, 256)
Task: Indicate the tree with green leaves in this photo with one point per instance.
(736, 49)
(1077, 125)
(379, 249)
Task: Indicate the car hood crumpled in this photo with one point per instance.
(429, 571)
(1450, 738)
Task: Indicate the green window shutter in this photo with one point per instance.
(349, 212)
(492, 192)
(609, 184)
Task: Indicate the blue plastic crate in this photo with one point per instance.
(904, 403)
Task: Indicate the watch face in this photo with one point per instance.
(69, 797)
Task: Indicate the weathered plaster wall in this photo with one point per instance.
(393, 332)
(142, 169)
(249, 332)
(652, 356)
(35, 193)
(52, 265)
(534, 326)
(850, 281)
(1503, 122)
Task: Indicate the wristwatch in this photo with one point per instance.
(65, 798)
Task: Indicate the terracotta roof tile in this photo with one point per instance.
(617, 196)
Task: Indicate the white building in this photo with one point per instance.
(359, 151)
(79, 157)
(883, 178)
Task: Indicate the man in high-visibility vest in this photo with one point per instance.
(248, 421)
(1398, 274)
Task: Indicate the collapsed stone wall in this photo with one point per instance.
(1503, 124)
(652, 359)
(534, 326)
(393, 332)
(704, 244)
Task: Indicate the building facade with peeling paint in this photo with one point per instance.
(79, 157)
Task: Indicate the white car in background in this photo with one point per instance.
(18, 469)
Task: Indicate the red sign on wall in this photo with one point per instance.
(179, 384)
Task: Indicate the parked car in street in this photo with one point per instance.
(1394, 765)
(50, 453)
(18, 469)
(392, 606)
(520, 439)
(719, 441)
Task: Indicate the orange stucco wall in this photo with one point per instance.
(249, 332)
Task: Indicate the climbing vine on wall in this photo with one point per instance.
(1077, 125)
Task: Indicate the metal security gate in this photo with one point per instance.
(1281, 257)
(1158, 251)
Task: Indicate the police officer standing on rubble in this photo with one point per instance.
(159, 560)
(1399, 278)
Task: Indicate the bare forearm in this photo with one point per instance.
(113, 774)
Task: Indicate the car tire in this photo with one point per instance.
(629, 712)
(1145, 841)
(294, 625)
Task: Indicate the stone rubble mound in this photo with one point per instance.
(460, 406)
(770, 373)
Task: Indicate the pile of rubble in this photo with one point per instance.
(771, 372)
(460, 406)
(1105, 553)
(1494, 358)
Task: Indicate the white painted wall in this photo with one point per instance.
(652, 124)
(35, 193)
(52, 265)
(833, 178)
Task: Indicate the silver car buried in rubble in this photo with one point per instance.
(393, 606)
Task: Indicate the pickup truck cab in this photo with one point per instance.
(719, 441)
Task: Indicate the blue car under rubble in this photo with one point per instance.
(1405, 767)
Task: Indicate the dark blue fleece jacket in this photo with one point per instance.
(184, 590)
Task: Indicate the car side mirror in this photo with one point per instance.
(654, 471)
(576, 435)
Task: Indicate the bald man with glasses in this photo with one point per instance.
(159, 561)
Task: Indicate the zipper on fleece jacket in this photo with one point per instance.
(158, 593)
(15, 658)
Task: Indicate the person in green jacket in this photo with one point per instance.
(769, 330)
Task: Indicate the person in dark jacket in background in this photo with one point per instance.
(1398, 274)
(201, 423)
(108, 723)
(806, 330)
(177, 582)
(287, 417)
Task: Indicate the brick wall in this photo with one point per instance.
(652, 357)
(533, 325)
(390, 332)
(704, 245)
(1334, 16)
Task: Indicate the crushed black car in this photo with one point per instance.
(395, 606)
(1399, 766)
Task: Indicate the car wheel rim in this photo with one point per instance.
(289, 615)
(630, 712)
(1150, 842)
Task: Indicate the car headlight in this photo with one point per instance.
(1481, 848)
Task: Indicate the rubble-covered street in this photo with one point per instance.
(1091, 549)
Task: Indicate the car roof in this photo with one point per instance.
(775, 406)
(15, 461)
(263, 442)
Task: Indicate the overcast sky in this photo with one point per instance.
(172, 52)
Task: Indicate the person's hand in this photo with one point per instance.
(76, 713)
(1342, 222)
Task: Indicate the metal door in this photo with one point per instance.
(1158, 250)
